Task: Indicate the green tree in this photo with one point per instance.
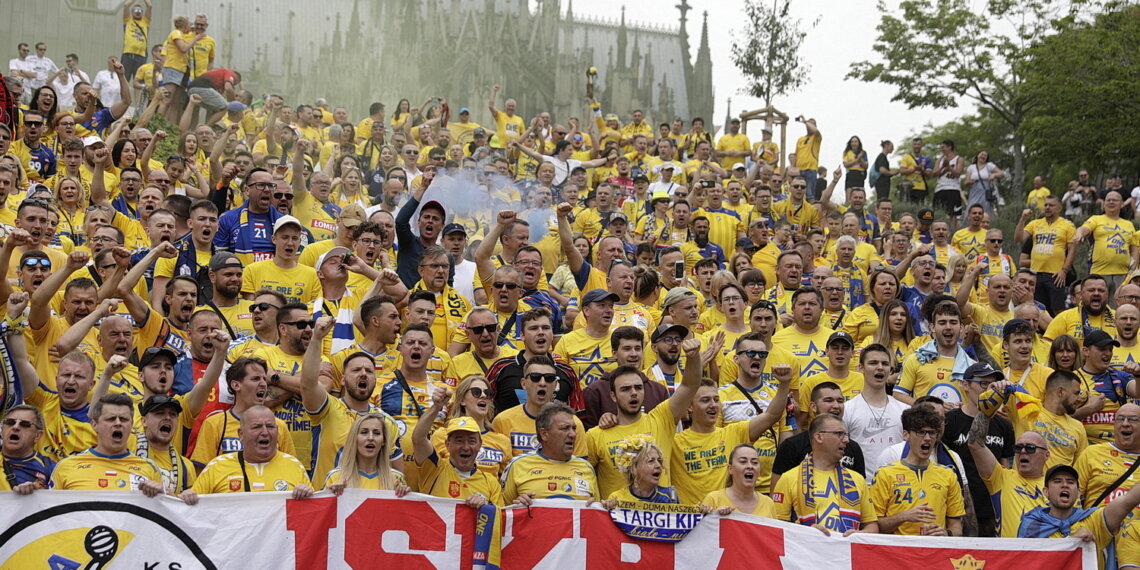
(767, 50)
(941, 53)
(1086, 81)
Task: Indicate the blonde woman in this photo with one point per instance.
(955, 270)
(364, 461)
(69, 200)
(643, 464)
(739, 492)
(473, 398)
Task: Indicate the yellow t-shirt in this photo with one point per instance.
(1036, 198)
(809, 349)
(176, 59)
(861, 323)
(736, 406)
(93, 471)
(164, 267)
(719, 498)
(1049, 243)
(316, 216)
(991, 323)
(590, 357)
(1111, 242)
(969, 243)
(851, 386)
(700, 460)
(331, 427)
(602, 444)
(508, 128)
(1064, 435)
(518, 426)
(1071, 322)
(549, 479)
(791, 502)
(724, 227)
(933, 378)
(1099, 466)
(218, 435)
(802, 216)
(493, 456)
(135, 35)
(439, 478)
(299, 284)
(1012, 496)
(451, 310)
(899, 487)
(730, 142)
(908, 161)
(225, 475)
(807, 152)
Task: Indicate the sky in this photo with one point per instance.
(845, 34)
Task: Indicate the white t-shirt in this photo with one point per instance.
(874, 429)
(465, 279)
(562, 169)
(107, 83)
(16, 64)
(948, 181)
(66, 92)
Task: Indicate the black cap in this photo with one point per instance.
(159, 401)
(926, 215)
(666, 329)
(154, 352)
(841, 336)
(454, 228)
(1100, 339)
(1061, 469)
(982, 370)
(598, 295)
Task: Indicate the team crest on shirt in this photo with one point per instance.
(941, 375)
(104, 483)
(235, 485)
(453, 488)
(900, 478)
(552, 486)
(280, 485)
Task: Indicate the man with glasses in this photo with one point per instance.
(246, 231)
(38, 160)
(482, 332)
(540, 382)
(504, 291)
(1102, 467)
(796, 209)
(451, 307)
(505, 375)
(821, 492)
(996, 442)
(24, 465)
(263, 312)
(915, 495)
(826, 398)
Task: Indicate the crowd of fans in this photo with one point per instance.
(296, 301)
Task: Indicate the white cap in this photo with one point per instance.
(92, 140)
(286, 220)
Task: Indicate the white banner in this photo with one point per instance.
(72, 530)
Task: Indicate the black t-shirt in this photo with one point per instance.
(883, 184)
(999, 440)
(794, 449)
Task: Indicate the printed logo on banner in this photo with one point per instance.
(77, 535)
(655, 521)
(967, 562)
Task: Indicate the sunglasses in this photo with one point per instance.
(22, 423)
(753, 353)
(262, 307)
(799, 186)
(484, 329)
(481, 392)
(33, 123)
(1027, 448)
(301, 324)
(506, 285)
(280, 195)
(40, 261)
(541, 377)
(995, 240)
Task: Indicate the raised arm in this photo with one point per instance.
(771, 416)
(1119, 508)
(690, 379)
(313, 395)
(120, 108)
(148, 152)
(136, 305)
(151, 109)
(75, 334)
(17, 238)
(1020, 234)
(98, 185)
(190, 113)
(976, 440)
(963, 294)
(486, 249)
(41, 299)
(825, 198)
(298, 182)
(18, 347)
(420, 435)
(573, 257)
(200, 394)
(901, 269)
(116, 364)
(491, 101)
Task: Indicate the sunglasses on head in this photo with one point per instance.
(484, 329)
(22, 423)
(262, 307)
(301, 324)
(481, 392)
(541, 377)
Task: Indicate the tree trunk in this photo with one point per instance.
(1018, 175)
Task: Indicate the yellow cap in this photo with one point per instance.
(465, 423)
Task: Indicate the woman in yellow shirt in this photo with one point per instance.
(68, 200)
(855, 161)
(739, 492)
(895, 331)
(473, 398)
(364, 462)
